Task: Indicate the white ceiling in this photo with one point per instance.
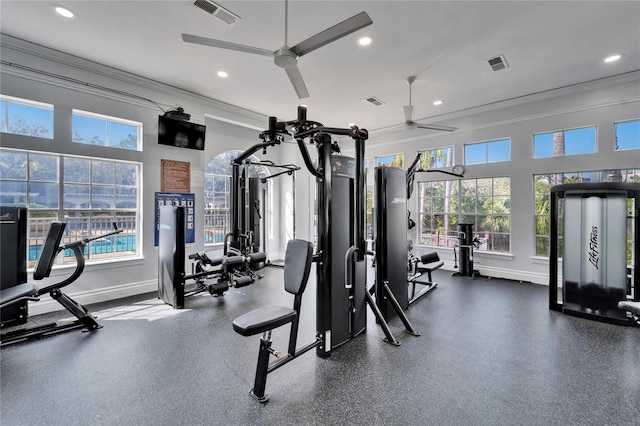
(446, 44)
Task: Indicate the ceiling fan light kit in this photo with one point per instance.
(287, 57)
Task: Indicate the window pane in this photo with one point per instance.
(499, 151)
(43, 167)
(126, 198)
(628, 135)
(485, 204)
(475, 154)
(13, 193)
(29, 120)
(76, 170)
(500, 242)
(43, 195)
(123, 136)
(3, 114)
(580, 141)
(76, 196)
(502, 186)
(126, 174)
(501, 224)
(13, 165)
(543, 145)
(542, 246)
(103, 172)
(88, 130)
(485, 186)
(103, 197)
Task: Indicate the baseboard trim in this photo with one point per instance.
(47, 304)
(509, 274)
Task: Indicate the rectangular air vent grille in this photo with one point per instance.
(498, 63)
(217, 11)
(374, 101)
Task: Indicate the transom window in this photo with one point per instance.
(487, 152)
(25, 117)
(565, 142)
(95, 129)
(627, 135)
(437, 158)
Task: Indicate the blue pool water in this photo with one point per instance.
(114, 243)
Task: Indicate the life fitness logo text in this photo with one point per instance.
(398, 200)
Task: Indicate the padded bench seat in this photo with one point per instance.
(429, 262)
(20, 291)
(263, 319)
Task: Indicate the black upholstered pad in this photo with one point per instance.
(257, 257)
(430, 257)
(210, 259)
(17, 291)
(633, 307)
(263, 319)
(232, 260)
(297, 265)
(429, 267)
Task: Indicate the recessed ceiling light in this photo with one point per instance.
(613, 58)
(63, 11)
(438, 102)
(223, 74)
(364, 41)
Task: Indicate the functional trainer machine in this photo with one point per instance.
(29, 291)
(595, 228)
(341, 293)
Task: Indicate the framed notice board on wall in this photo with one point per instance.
(187, 201)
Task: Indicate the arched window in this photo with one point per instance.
(217, 194)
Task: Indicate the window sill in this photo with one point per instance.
(95, 266)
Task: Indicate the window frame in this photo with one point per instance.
(108, 120)
(486, 151)
(5, 122)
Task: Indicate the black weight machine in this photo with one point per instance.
(29, 291)
(340, 257)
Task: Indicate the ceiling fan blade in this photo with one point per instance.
(226, 45)
(340, 30)
(298, 83)
(436, 127)
(408, 113)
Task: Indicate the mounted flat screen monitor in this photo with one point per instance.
(180, 133)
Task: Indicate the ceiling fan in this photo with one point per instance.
(408, 115)
(287, 57)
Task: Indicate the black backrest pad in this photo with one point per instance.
(49, 250)
(297, 264)
(429, 257)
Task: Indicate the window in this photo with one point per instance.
(627, 135)
(565, 143)
(484, 202)
(95, 129)
(542, 193)
(487, 152)
(24, 117)
(394, 160)
(89, 194)
(217, 195)
(437, 158)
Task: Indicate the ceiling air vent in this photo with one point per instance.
(217, 11)
(374, 101)
(498, 63)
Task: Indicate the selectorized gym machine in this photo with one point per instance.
(595, 229)
(341, 293)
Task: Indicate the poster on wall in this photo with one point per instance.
(175, 176)
(176, 199)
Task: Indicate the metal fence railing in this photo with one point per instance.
(216, 226)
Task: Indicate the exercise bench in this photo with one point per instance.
(297, 265)
(428, 263)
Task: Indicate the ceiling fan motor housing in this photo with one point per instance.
(285, 58)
